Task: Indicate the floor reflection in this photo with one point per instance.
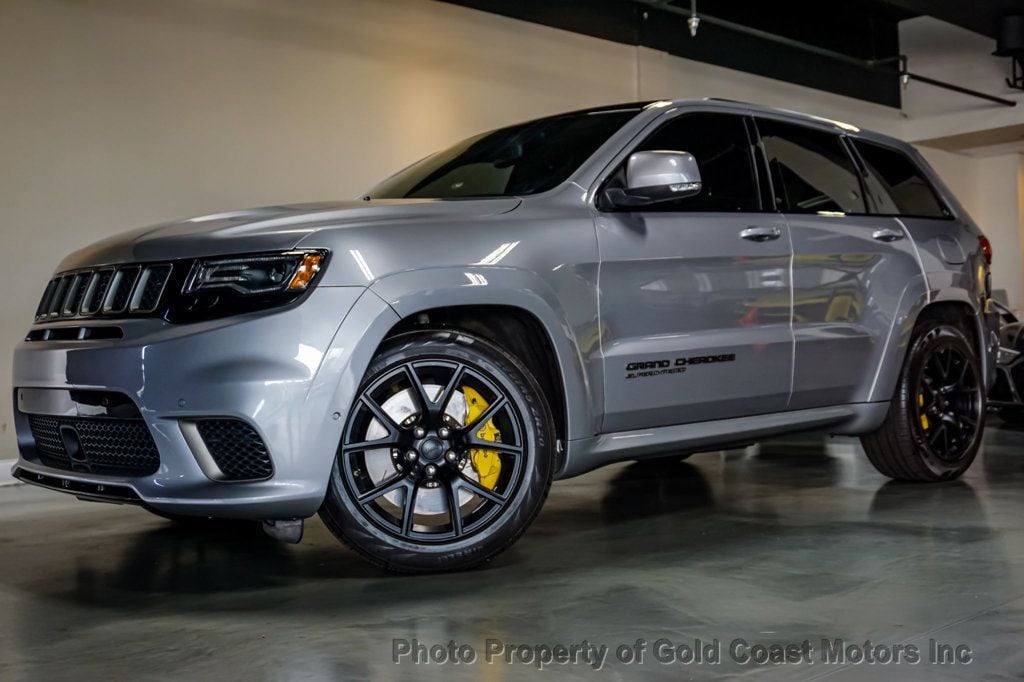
(796, 537)
(658, 486)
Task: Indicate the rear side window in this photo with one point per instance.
(720, 145)
(896, 185)
(811, 170)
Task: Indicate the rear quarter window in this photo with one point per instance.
(895, 185)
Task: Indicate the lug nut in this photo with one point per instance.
(450, 455)
(443, 432)
(411, 455)
(431, 470)
(419, 432)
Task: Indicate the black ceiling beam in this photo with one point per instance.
(980, 16)
(634, 23)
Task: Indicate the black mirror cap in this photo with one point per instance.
(617, 198)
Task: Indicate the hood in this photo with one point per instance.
(271, 228)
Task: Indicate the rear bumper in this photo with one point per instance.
(288, 373)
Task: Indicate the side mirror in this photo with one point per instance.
(656, 176)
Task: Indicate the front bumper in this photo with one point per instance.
(289, 373)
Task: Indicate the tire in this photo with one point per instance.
(399, 441)
(919, 440)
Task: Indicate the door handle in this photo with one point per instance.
(761, 234)
(887, 235)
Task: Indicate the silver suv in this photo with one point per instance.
(418, 365)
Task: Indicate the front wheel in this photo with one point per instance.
(446, 457)
(935, 421)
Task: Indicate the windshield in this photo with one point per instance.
(523, 159)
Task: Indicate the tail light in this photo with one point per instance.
(986, 249)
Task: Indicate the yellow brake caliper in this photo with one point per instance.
(924, 417)
(486, 462)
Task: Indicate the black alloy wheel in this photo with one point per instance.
(935, 421)
(445, 456)
(950, 402)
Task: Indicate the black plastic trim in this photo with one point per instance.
(85, 490)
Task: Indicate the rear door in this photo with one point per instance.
(695, 294)
(850, 267)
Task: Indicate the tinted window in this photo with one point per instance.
(895, 185)
(523, 159)
(811, 170)
(722, 149)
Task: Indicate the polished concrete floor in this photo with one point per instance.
(790, 541)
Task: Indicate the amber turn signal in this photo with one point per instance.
(307, 270)
(986, 249)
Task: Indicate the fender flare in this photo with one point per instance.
(412, 292)
(917, 297)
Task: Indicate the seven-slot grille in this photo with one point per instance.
(132, 289)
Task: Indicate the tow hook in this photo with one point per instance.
(285, 530)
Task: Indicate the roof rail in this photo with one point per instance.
(730, 101)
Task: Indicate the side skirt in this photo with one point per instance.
(586, 454)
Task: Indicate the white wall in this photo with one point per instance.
(985, 179)
(955, 55)
(119, 113)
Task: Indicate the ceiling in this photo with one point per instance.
(980, 16)
(847, 47)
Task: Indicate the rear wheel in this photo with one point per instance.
(446, 457)
(935, 421)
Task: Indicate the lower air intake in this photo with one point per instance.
(110, 447)
(236, 448)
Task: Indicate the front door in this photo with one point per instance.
(695, 295)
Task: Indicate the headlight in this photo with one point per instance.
(252, 275)
(218, 287)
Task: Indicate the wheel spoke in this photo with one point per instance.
(948, 367)
(507, 448)
(383, 417)
(417, 388)
(941, 428)
(449, 390)
(486, 416)
(410, 508)
(964, 366)
(386, 442)
(454, 508)
(393, 483)
(474, 487)
(954, 423)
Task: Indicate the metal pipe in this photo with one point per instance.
(872, 64)
(757, 33)
(960, 89)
